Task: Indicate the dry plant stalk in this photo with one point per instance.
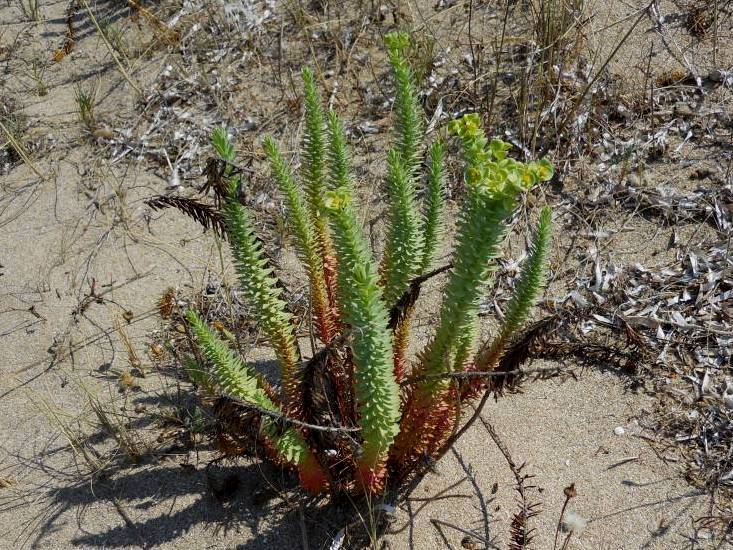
(111, 49)
(133, 359)
(22, 153)
(168, 36)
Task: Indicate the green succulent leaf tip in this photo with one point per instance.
(314, 142)
(408, 113)
(299, 217)
(222, 144)
(397, 41)
(338, 153)
(231, 373)
(324, 165)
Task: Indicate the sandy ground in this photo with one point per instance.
(79, 254)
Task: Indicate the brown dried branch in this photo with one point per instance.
(551, 338)
(520, 533)
(410, 296)
(281, 418)
(484, 374)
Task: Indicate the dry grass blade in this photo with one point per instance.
(127, 440)
(133, 358)
(555, 21)
(111, 49)
(22, 153)
(77, 441)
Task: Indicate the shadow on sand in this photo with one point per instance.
(154, 505)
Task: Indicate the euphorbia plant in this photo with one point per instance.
(359, 414)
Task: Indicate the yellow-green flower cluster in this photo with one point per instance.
(487, 166)
(337, 199)
(397, 41)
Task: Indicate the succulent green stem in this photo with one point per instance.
(306, 240)
(262, 290)
(432, 217)
(239, 380)
(365, 313)
(530, 284)
(403, 251)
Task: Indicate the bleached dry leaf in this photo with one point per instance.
(683, 309)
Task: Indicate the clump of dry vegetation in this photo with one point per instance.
(13, 127)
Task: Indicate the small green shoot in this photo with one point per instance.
(30, 9)
(86, 99)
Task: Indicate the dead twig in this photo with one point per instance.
(521, 535)
(484, 374)
(287, 420)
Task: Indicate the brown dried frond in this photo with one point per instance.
(404, 306)
(699, 19)
(167, 303)
(215, 179)
(328, 400)
(520, 533)
(202, 213)
(524, 348)
(238, 431)
(406, 302)
(325, 385)
(554, 338)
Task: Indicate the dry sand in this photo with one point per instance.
(83, 225)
